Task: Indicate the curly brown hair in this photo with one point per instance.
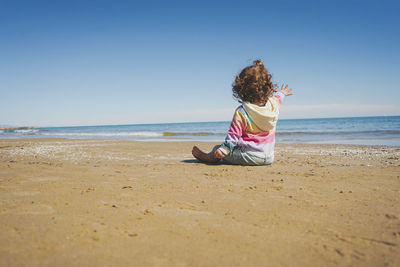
(253, 84)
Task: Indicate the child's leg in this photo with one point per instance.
(205, 157)
(245, 156)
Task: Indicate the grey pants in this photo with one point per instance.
(246, 156)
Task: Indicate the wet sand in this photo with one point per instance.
(92, 202)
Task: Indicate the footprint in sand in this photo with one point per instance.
(189, 208)
(390, 216)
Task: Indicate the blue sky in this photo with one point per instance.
(121, 62)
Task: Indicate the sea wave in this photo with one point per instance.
(108, 134)
(191, 134)
(392, 132)
(135, 134)
(19, 131)
(46, 132)
(386, 132)
(27, 131)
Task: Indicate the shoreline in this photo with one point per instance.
(117, 202)
(177, 140)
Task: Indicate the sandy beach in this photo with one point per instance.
(119, 203)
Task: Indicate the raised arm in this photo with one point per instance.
(280, 95)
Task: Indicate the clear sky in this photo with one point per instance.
(121, 62)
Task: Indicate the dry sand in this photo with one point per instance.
(91, 202)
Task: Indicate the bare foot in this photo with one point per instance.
(205, 157)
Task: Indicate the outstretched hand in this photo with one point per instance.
(286, 91)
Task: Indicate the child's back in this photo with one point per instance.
(251, 136)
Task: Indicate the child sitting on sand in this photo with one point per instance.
(251, 136)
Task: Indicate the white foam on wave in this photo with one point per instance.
(26, 131)
(139, 134)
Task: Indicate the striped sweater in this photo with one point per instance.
(254, 126)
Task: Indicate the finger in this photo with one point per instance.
(286, 86)
(283, 85)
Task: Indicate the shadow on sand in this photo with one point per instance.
(198, 161)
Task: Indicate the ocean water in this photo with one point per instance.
(357, 130)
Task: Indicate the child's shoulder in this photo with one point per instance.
(241, 113)
(240, 109)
